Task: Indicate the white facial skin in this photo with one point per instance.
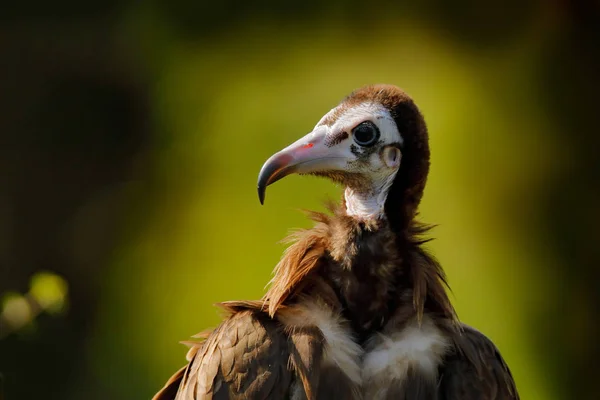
(357, 146)
(378, 163)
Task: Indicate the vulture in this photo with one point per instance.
(357, 308)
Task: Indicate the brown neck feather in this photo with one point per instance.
(365, 269)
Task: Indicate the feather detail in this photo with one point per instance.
(429, 283)
(306, 352)
(298, 261)
(235, 306)
(169, 391)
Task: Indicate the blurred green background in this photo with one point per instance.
(132, 135)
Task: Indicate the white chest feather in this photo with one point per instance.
(387, 358)
(340, 348)
(391, 357)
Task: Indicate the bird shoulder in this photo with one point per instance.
(474, 369)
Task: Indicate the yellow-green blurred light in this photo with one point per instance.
(50, 291)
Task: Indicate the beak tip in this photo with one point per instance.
(261, 194)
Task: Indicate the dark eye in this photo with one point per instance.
(365, 134)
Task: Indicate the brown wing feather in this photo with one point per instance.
(249, 356)
(476, 371)
(169, 391)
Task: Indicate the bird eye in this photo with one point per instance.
(365, 133)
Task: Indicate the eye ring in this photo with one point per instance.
(365, 134)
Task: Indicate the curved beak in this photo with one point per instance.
(306, 155)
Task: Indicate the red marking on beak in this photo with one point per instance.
(308, 146)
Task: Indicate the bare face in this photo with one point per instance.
(358, 146)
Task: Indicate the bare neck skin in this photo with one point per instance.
(368, 204)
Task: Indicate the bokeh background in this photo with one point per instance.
(132, 133)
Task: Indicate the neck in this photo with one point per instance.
(366, 271)
(368, 204)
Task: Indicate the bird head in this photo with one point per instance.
(374, 143)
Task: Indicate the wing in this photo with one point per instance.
(169, 391)
(476, 371)
(246, 357)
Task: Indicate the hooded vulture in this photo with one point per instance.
(357, 308)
